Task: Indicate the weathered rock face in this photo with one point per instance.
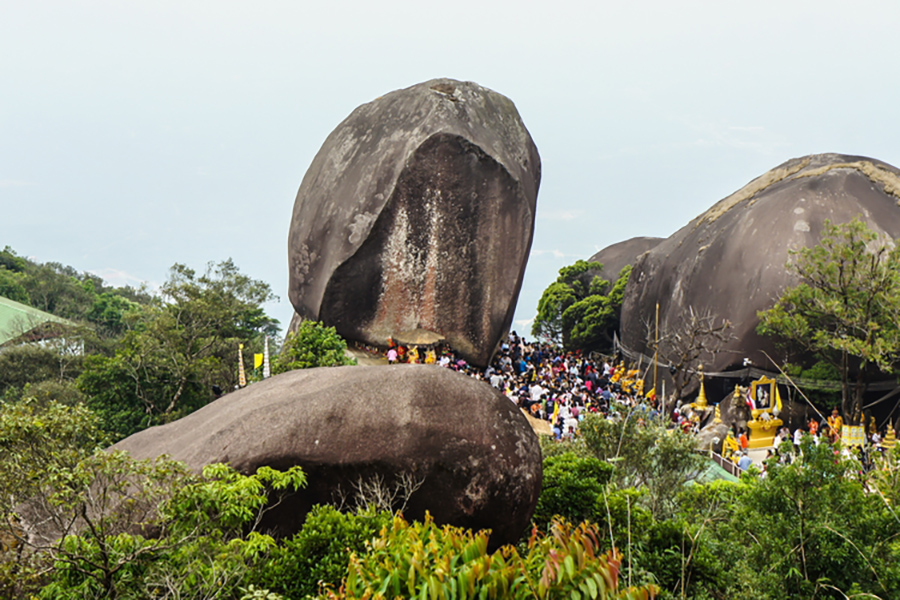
(618, 256)
(478, 459)
(731, 259)
(418, 212)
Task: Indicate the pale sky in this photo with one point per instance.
(134, 135)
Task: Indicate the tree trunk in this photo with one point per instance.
(846, 398)
(855, 416)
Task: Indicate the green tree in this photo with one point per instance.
(571, 488)
(846, 308)
(182, 346)
(580, 310)
(645, 455)
(35, 441)
(817, 531)
(77, 521)
(312, 345)
(319, 554)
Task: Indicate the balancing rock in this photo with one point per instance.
(418, 213)
(474, 453)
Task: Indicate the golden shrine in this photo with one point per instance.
(890, 440)
(701, 403)
(766, 406)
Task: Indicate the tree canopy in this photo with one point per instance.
(183, 348)
(581, 310)
(846, 308)
(312, 345)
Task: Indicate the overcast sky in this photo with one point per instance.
(134, 135)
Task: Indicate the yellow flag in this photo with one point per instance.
(777, 398)
(257, 361)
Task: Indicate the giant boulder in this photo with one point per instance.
(616, 257)
(731, 259)
(477, 458)
(418, 213)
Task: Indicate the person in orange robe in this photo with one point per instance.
(835, 424)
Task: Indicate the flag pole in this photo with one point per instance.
(242, 377)
(656, 352)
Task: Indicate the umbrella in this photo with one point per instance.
(417, 337)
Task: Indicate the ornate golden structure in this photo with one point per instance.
(890, 440)
(765, 422)
(701, 404)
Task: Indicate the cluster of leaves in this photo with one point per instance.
(137, 359)
(645, 455)
(319, 554)
(78, 522)
(571, 488)
(413, 560)
(846, 310)
(814, 527)
(581, 310)
(183, 349)
(312, 345)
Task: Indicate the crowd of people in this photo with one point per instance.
(562, 387)
(550, 384)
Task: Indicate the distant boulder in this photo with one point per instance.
(731, 259)
(473, 451)
(619, 255)
(418, 213)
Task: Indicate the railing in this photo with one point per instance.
(726, 464)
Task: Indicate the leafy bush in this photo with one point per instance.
(571, 488)
(312, 345)
(646, 455)
(425, 560)
(320, 552)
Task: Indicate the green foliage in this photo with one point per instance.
(591, 321)
(319, 553)
(847, 306)
(312, 345)
(821, 531)
(571, 488)
(554, 301)
(422, 560)
(645, 455)
(166, 365)
(30, 363)
(111, 313)
(577, 313)
(11, 286)
(97, 515)
(35, 442)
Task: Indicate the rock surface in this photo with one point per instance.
(478, 459)
(418, 213)
(618, 256)
(731, 259)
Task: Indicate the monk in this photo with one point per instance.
(730, 446)
(836, 424)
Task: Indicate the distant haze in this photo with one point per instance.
(137, 135)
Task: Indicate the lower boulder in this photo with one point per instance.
(475, 458)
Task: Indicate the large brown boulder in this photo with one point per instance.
(474, 453)
(418, 213)
(731, 259)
